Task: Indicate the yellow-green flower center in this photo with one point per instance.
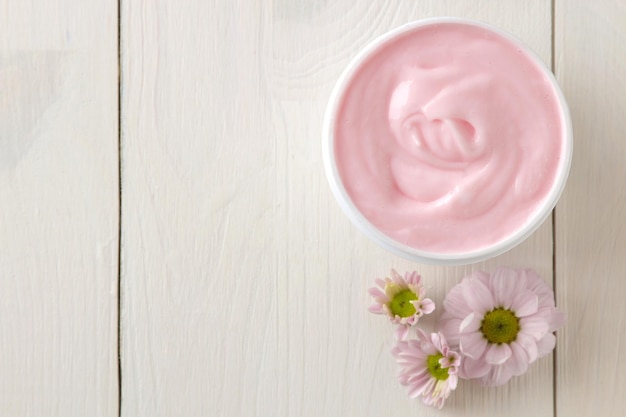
(435, 369)
(401, 305)
(500, 326)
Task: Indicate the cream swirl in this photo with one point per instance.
(451, 155)
(448, 138)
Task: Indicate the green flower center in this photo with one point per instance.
(500, 326)
(400, 304)
(435, 369)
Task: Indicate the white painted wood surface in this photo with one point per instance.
(58, 208)
(590, 225)
(243, 286)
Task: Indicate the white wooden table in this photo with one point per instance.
(169, 245)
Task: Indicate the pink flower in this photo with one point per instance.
(428, 367)
(402, 299)
(501, 322)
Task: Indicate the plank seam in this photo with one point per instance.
(554, 355)
(119, 214)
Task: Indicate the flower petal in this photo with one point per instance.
(418, 387)
(536, 284)
(449, 327)
(415, 373)
(438, 341)
(477, 295)
(539, 287)
(397, 278)
(412, 278)
(545, 345)
(426, 305)
(455, 304)
(421, 336)
(557, 320)
(453, 381)
(519, 359)
(402, 332)
(376, 309)
(504, 283)
(529, 344)
(498, 375)
(452, 360)
(423, 389)
(471, 323)
(481, 276)
(535, 326)
(428, 348)
(378, 294)
(525, 304)
(471, 368)
(497, 354)
(473, 344)
(409, 350)
(424, 343)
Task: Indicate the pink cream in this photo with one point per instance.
(448, 138)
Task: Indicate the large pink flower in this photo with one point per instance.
(501, 323)
(428, 367)
(401, 299)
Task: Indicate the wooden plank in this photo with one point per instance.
(59, 208)
(590, 226)
(244, 286)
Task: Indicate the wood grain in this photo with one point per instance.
(590, 227)
(244, 286)
(58, 208)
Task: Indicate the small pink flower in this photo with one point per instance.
(501, 322)
(428, 367)
(402, 299)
